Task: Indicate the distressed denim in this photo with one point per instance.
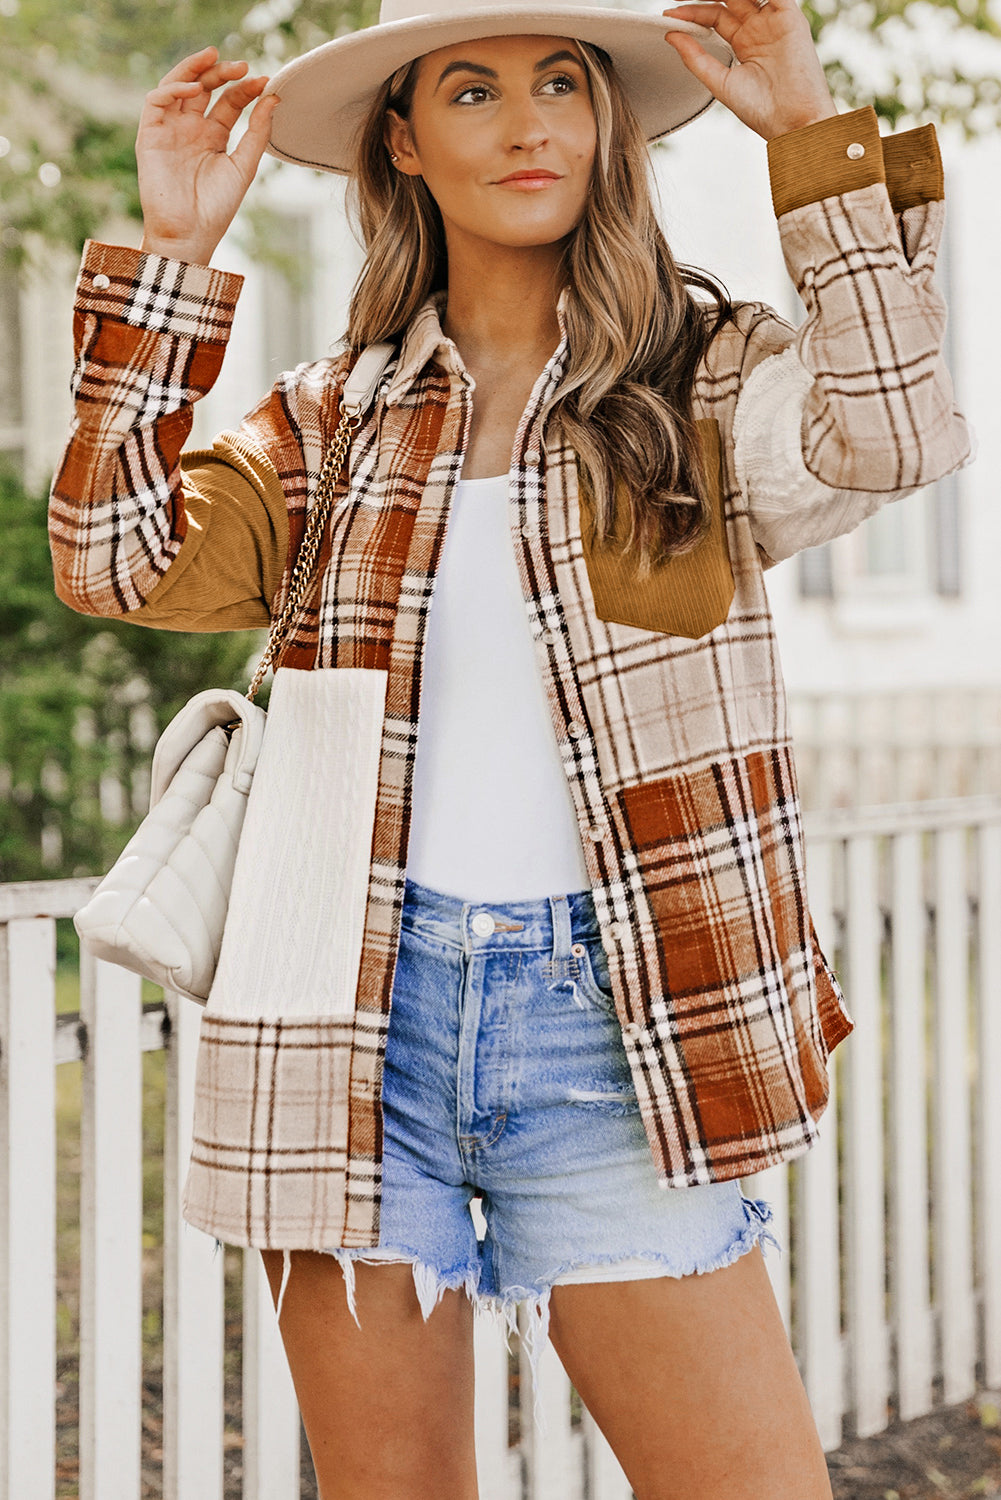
(506, 1080)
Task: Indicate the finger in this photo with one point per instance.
(708, 70)
(191, 67)
(233, 101)
(213, 78)
(717, 17)
(250, 148)
(166, 95)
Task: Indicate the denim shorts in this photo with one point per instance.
(506, 1080)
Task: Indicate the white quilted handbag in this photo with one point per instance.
(161, 909)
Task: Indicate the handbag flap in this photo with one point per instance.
(201, 714)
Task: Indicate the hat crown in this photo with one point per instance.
(417, 10)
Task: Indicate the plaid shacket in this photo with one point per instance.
(677, 750)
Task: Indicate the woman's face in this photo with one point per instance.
(503, 133)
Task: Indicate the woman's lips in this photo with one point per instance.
(529, 180)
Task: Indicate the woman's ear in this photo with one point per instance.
(400, 144)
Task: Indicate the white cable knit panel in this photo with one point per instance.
(301, 879)
(789, 508)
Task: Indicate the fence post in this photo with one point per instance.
(270, 1409)
(952, 1197)
(866, 1244)
(908, 1185)
(193, 1285)
(111, 1212)
(989, 1095)
(27, 1208)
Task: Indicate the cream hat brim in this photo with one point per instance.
(326, 94)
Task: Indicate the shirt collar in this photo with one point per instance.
(424, 341)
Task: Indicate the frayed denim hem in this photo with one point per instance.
(430, 1284)
(533, 1339)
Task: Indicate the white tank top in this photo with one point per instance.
(493, 819)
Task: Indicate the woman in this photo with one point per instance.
(585, 895)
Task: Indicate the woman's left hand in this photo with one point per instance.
(780, 83)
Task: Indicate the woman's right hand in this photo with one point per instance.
(189, 187)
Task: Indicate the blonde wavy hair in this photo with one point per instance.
(636, 333)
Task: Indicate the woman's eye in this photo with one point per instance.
(562, 82)
(479, 89)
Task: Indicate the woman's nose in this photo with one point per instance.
(526, 129)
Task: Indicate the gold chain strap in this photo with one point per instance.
(306, 561)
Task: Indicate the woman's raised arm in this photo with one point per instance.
(189, 187)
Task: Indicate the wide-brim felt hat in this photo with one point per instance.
(326, 94)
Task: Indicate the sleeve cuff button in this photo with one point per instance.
(101, 281)
(856, 151)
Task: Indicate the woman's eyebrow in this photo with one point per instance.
(461, 66)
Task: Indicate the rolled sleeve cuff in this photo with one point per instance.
(157, 293)
(847, 152)
(825, 159)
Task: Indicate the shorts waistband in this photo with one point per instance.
(550, 924)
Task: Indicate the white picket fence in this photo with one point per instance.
(893, 1303)
(861, 748)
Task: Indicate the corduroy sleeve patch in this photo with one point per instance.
(913, 166)
(228, 571)
(825, 159)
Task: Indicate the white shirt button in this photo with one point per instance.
(596, 832)
(483, 924)
(532, 455)
(101, 281)
(856, 151)
(549, 638)
(632, 1029)
(529, 530)
(576, 730)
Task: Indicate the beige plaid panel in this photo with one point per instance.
(656, 702)
(270, 1136)
(882, 414)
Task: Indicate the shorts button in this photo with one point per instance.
(578, 950)
(483, 924)
(101, 281)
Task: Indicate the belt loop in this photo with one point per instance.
(562, 933)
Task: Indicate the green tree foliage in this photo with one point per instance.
(81, 703)
(72, 86)
(914, 60)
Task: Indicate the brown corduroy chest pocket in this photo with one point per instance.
(687, 595)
